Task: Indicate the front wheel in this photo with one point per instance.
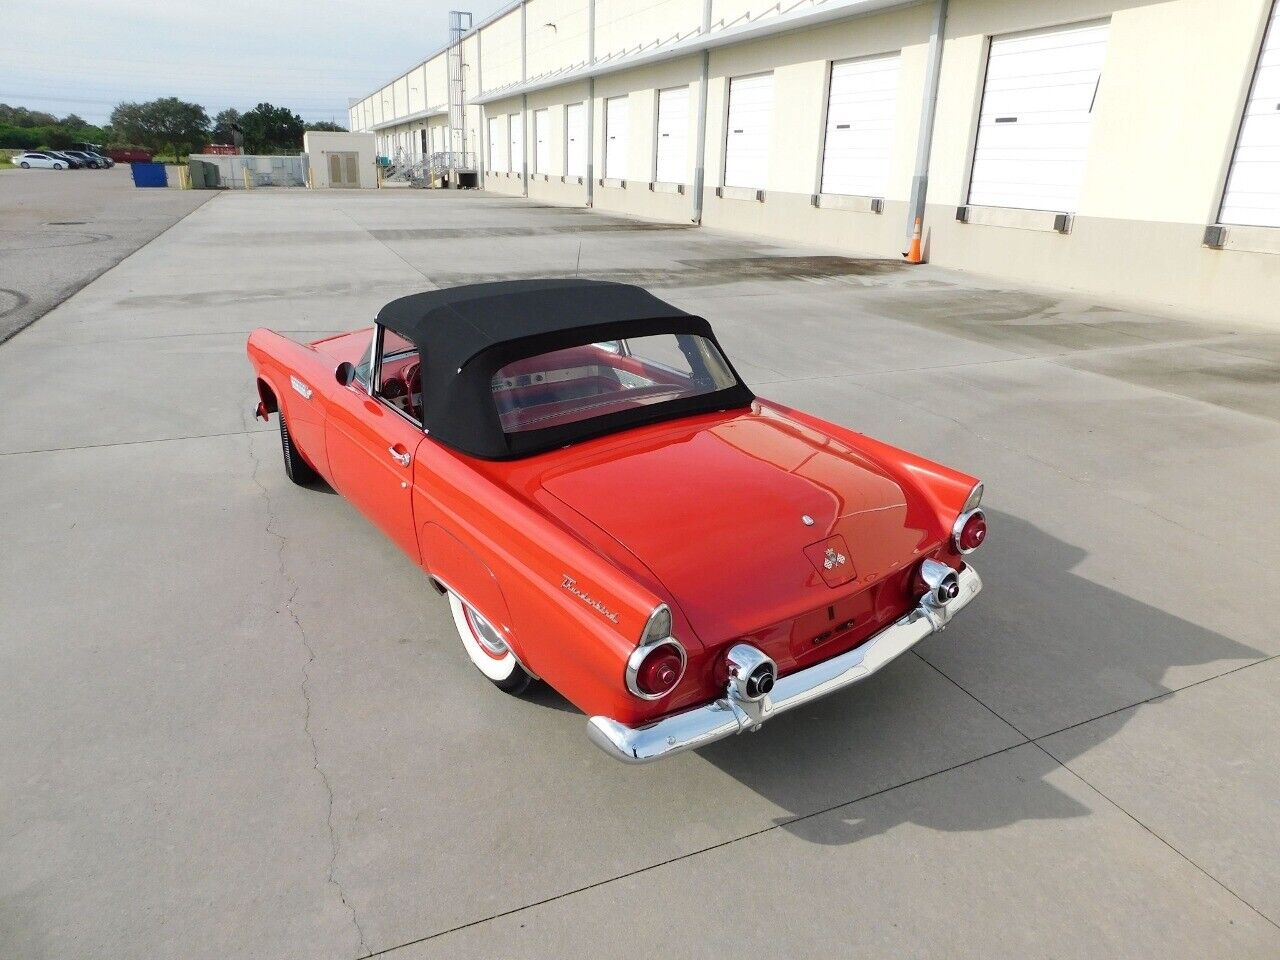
(58, 166)
(487, 649)
(24, 165)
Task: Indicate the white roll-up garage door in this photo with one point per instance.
(746, 150)
(1253, 189)
(617, 127)
(860, 117)
(575, 140)
(673, 135)
(1037, 113)
(497, 146)
(541, 141)
(516, 124)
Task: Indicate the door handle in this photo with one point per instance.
(400, 458)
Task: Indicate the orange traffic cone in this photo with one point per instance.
(915, 254)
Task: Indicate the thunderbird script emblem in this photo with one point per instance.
(570, 584)
(833, 559)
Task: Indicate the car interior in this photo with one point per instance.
(578, 383)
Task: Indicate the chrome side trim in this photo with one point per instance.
(725, 717)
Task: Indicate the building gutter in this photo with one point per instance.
(409, 118)
(697, 43)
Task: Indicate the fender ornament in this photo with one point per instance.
(570, 584)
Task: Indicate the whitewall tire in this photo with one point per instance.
(487, 648)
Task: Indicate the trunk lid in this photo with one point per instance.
(719, 509)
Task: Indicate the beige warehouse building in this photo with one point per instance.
(1125, 148)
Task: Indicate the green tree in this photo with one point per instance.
(167, 123)
(223, 125)
(327, 126)
(270, 129)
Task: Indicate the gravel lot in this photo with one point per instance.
(238, 722)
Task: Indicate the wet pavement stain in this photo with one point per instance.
(486, 233)
(1017, 319)
(715, 272)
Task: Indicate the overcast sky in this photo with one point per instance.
(85, 56)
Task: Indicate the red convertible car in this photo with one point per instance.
(609, 508)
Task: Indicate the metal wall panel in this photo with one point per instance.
(1037, 114)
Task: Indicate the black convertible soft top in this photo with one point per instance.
(466, 334)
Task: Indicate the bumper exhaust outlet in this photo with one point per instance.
(754, 692)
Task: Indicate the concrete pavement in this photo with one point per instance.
(238, 723)
(61, 228)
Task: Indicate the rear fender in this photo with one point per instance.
(941, 488)
(457, 569)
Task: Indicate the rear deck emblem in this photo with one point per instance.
(807, 520)
(833, 558)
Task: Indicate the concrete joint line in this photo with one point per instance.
(1239, 899)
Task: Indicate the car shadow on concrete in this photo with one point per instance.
(1112, 650)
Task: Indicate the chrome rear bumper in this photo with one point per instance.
(730, 715)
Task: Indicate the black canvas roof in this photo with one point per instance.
(465, 334)
(456, 323)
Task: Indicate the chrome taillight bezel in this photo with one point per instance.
(958, 528)
(648, 646)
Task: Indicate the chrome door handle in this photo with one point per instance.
(400, 458)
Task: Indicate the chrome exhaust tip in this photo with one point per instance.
(942, 581)
(752, 674)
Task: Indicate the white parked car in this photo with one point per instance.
(37, 159)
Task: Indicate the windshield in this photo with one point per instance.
(597, 379)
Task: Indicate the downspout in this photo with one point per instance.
(928, 112)
(524, 100)
(481, 152)
(700, 138)
(591, 104)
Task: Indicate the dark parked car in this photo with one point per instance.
(73, 163)
(92, 161)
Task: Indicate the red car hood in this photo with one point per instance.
(717, 511)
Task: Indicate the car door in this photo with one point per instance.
(373, 429)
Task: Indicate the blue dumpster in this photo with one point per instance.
(149, 175)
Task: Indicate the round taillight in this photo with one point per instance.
(972, 532)
(660, 671)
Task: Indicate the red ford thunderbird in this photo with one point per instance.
(609, 508)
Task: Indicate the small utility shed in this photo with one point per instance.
(341, 160)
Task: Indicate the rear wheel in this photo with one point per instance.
(295, 468)
(488, 650)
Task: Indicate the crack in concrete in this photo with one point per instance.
(304, 686)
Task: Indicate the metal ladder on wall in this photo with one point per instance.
(459, 23)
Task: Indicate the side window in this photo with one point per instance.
(399, 380)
